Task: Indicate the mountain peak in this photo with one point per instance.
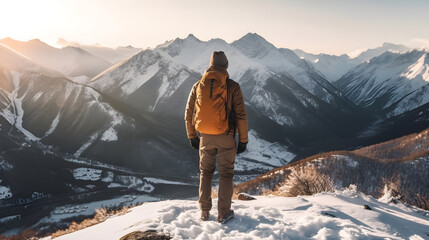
(38, 42)
(7, 39)
(76, 49)
(35, 40)
(254, 45)
(192, 36)
(254, 37)
(388, 44)
(370, 53)
(129, 46)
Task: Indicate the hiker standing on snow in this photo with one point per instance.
(216, 110)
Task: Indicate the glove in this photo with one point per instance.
(195, 142)
(241, 147)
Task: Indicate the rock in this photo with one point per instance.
(146, 235)
(245, 197)
(367, 207)
(330, 215)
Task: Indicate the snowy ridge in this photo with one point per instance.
(132, 75)
(28, 87)
(195, 54)
(326, 215)
(391, 75)
(414, 100)
(169, 85)
(148, 80)
(13, 111)
(421, 67)
(329, 66)
(334, 67)
(367, 54)
(280, 61)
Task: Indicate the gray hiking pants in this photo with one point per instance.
(222, 146)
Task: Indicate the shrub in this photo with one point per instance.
(305, 181)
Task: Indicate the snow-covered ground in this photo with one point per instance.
(338, 215)
(87, 174)
(5, 192)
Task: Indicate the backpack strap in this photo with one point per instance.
(230, 117)
(211, 88)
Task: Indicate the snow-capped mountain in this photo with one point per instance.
(71, 61)
(113, 55)
(147, 82)
(334, 67)
(366, 55)
(159, 81)
(392, 82)
(285, 61)
(59, 138)
(285, 96)
(329, 66)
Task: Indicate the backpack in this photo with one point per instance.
(210, 104)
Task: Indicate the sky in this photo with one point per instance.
(316, 26)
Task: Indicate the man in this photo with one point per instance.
(216, 110)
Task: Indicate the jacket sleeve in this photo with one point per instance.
(189, 114)
(240, 114)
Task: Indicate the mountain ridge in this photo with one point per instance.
(71, 61)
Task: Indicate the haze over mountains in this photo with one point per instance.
(71, 61)
(113, 55)
(94, 127)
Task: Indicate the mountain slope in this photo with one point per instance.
(61, 141)
(287, 62)
(400, 164)
(71, 61)
(331, 67)
(334, 67)
(386, 79)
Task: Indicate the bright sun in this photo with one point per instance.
(24, 20)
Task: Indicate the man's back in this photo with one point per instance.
(209, 97)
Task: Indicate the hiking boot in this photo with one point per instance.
(223, 218)
(205, 215)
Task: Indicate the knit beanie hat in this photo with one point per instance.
(219, 59)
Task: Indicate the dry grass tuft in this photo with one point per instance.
(100, 216)
(28, 234)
